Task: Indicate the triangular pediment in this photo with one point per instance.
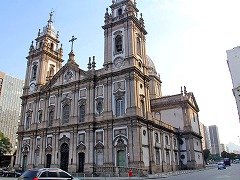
(192, 101)
(68, 74)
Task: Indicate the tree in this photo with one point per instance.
(5, 145)
(206, 154)
(224, 154)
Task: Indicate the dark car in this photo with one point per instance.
(45, 173)
(13, 172)
(227, 161)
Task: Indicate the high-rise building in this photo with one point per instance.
(233, 61)
(203, 134)
(10, 106)
(223, 147)
(207, 138)
(214, 139)
(98, 120)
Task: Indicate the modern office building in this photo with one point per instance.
(108, 119)
(11, 89)
(223, 147)
(233, 61)
(207, 138)
(203, 134)
(214, 139)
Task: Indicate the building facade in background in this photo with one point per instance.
(10, 106)
(101, 119)
(223, 147)
(233, 61)
(203, 134)
(214, 139)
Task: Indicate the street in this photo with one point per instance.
(230, 173)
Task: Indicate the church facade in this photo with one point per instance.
(100, 120)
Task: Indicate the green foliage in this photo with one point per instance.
(5, 145)
(206, 154)
(224, 154)
(231, 156)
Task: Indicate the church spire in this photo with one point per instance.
(44, 58)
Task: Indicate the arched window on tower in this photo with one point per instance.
(142, 107)
(119, 11)
(66, 112)
(40, 44)
(118, 43)
(82, 113)
(34, 72)
(51, 116)
(28, 121)
(52, 46)
(120, 107)
(139, 46)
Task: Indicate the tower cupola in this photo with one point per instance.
(45, 58)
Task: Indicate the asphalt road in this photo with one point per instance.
(230, 173)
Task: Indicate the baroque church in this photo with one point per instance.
(109, 119)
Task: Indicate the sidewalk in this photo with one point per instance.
(150, 176)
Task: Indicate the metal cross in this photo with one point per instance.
(72, 40)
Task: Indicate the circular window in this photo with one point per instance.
(144, 132)
(182, 156)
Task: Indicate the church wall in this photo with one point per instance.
(174, 117)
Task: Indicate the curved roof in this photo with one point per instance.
(150, 66)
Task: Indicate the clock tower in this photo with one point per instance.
(124, 37)
(44, 58)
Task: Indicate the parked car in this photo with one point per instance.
(221, 165)
(11, 172)
(46, 173)
(227, 161)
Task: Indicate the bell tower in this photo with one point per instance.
(44, 59)
(124, 37)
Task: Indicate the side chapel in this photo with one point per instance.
(88, 120)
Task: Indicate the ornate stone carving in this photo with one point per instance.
(64, 139)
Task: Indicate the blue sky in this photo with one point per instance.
(187, 40)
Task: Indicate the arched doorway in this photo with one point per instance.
(49, 160)
(64, 156)
(81, 161)
(121, 158)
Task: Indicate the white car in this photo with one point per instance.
(221, 165)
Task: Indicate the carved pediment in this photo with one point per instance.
(37, 150)
(48, 149)
(25, 149)
(81, 147)
(64, 139)
(121, 145)
(29, 113)
(99, 145)
(51, 108)
(70, 72)
(82, 102)
(66, 100)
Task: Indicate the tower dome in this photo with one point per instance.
(49, 28)
(150, 66)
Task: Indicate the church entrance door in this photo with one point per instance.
(49, 158)
(81, 161)
(121, 158)
(64, 156)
